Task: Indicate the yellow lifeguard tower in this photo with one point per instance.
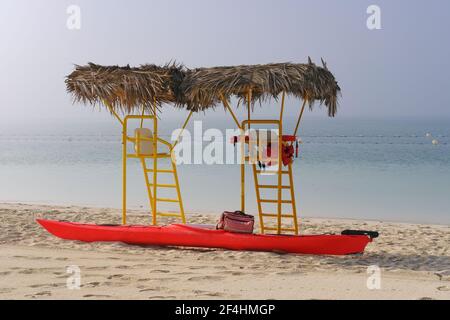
(137, 93)
(204, 88)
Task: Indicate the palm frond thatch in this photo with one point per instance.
(126, 88)
(203, 87)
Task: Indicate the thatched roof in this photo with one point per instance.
(128, 89)
(125, 88)
(202, 87)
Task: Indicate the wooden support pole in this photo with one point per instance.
(227, 106)
(142, 119)
(300, 116)
(282, 106)
(111, 109)
(182, 129)
(249, 103)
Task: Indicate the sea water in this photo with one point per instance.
(382, 169)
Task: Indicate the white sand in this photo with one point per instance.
(414, 261)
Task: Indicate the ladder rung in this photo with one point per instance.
(271, 186)
(163, 156)
(163, 185)
(276, 215)
(281, 229)
(254, 160)
(275, 201)
(271, 171)
(168, 214)
(167, 200)
(143, 155)
(160, 170)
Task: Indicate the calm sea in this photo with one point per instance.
(351, 168)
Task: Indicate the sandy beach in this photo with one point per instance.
(414, 261)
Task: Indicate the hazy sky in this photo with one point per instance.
(401, 69)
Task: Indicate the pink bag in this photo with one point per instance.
(236, 221)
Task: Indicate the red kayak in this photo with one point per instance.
(349, 242)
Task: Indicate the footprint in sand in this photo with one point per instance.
(153, 289)
(220, 267)
(144, 279)
(96, 296)
(32, 258)
(6, 290)
(200, 278)
(214, 294)
(91, 284)
(96, 268)
(47, 285)
(233, 273)
(199, 291)
(195, 267)
(39, 294)
(61, 259)
(161, 297)
(443, 288)
(207, 293)
(184, 273)
(123, 267)
(166, 279)
(160, 271)
(141, 265)
(27, 271)
(119, 277)
(289, 273)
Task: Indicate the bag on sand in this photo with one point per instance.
(236, 221)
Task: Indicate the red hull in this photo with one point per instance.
(191, 236)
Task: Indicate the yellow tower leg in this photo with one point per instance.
(175, 173)
(147, 183)
(258, 199)
(124, 173)
(294, 209)
(279, 188)
(155, 171)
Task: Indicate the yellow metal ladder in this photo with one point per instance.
(151, 171)
(278, 186)
(153, 185)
